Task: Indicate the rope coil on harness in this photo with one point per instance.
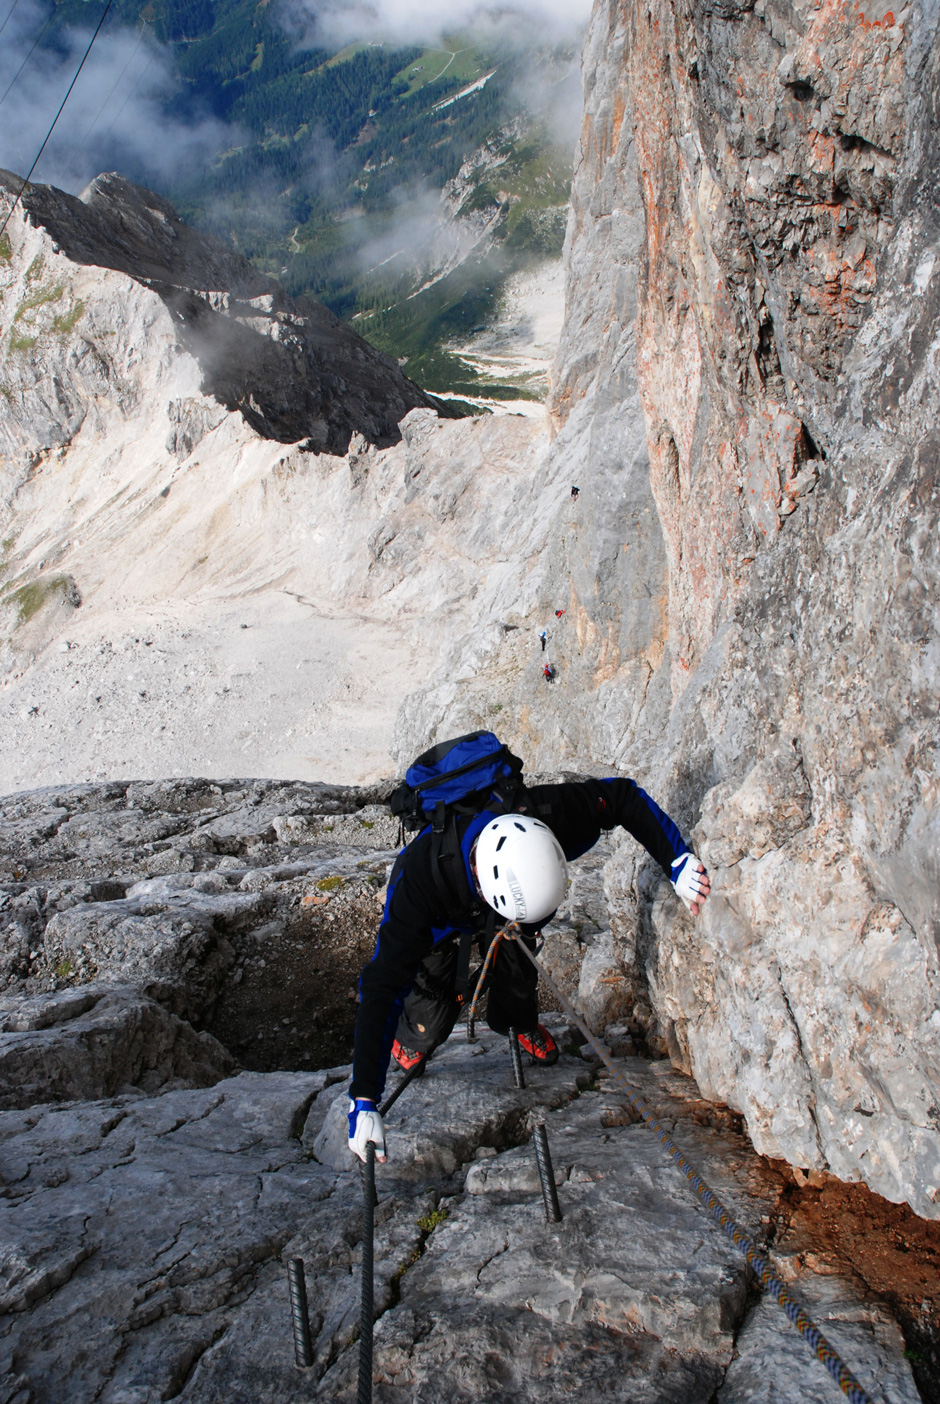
(825, 1352)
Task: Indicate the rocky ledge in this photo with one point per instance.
(179, 962)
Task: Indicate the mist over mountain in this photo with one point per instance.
(319, 141)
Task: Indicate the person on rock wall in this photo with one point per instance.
(503, 867)
(544, 638)
(548, 672)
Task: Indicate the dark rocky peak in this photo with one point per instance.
(292, 369)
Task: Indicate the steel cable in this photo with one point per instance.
(367, 1301)
(36, 42)
(825, 1352)
(55, 119)
(9, 15)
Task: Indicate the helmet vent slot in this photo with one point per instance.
(501, 842)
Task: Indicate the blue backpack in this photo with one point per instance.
(445, 785)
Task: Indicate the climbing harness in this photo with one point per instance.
(484, 971)
(825, 1352)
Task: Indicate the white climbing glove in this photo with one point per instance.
(365, 1125)
(689, 878)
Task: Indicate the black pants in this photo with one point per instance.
(431, 1007)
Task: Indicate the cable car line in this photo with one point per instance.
(55, 119)
(114, 89)
(9, 15)
(26, 60)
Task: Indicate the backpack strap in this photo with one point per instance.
(447, 865)
(464, 952)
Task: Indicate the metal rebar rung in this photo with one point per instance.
(367, 1309)
(543, 1159)
(825, 1353)
(515, 1054)
(300, 1321)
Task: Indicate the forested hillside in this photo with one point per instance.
(333, 179)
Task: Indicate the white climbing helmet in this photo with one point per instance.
(520, 868)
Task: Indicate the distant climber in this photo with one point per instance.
(544, 638)
(575, 493)
(501, 856)
(548, 672)
(560, 612)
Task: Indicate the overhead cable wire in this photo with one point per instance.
(9, 15)
(114, 89)
(36, 42)
(55, 119)
(143, 73)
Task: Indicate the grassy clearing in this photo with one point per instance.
(31, 598)
(38, 299)
(65, 323)
(6, 248)
(22, 343)
(463, 64)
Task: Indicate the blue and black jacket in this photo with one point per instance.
(416, 918)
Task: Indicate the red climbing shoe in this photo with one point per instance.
(540, 1045)
(406, 1058)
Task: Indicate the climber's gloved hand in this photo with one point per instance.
(689, 878)
(365, 1125)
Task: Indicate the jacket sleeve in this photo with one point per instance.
(634, 810)
(405, 937)
(579, 810)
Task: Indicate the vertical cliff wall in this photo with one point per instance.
(749, 375)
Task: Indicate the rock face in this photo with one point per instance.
(741, 603)
(762, 174)
(745, 395)
(477, 1297)
(292, 370)
(132, 916)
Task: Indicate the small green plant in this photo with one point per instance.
(65, 323)
(367, 823)
(914, 1356)
(433, 1220)
(64, 969)
(330, 884)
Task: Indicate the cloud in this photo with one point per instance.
(339, 22)
(117, 116)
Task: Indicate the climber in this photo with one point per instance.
(544, 637)
(548, 672)
(509, 867)
(560, 612)
(575, 493)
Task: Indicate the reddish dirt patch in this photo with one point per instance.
(894, 1252)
